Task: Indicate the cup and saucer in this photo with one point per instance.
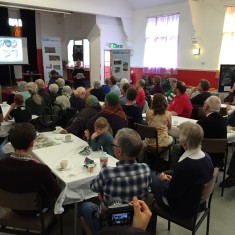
(57, 130)
(64, 166)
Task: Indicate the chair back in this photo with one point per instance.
(19, 201)
(146, 131)
(209, 187)
(223, 111)
(214, 145)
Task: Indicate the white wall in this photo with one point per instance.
(203, 18)
(111, 31)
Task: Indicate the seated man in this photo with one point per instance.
(18, 110)
(214, 126)
(203, 87)
(126, 180)
(77, 99)
(42, 92)
(181, 104)
(113, 112)
(130, 109)
(20, 173)
(97, 91)
(193, 170)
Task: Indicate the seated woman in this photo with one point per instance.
(178, 194)
(160, 118)
(35, 103)
(53, 91)
(63, 100)
(157, 86)
(22, 89)
(230, 98)
(18, 110)
(102, 138)
(77, 125)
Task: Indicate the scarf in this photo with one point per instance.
(115, 110)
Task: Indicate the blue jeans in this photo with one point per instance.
(89, 211)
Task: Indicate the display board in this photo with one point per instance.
(52, 59)
(13, 50)
(120, 63)
(227, 77)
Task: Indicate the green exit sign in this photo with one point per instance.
(115, 46)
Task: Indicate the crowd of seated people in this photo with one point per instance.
(105, 127)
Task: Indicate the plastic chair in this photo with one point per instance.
(217, 146)
(15, 223)
(195, 222)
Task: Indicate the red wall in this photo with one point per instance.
(190, 77)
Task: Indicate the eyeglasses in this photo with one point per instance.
(114, 145)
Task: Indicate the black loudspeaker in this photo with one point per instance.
(77, 52)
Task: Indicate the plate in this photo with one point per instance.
(59, 137)
(56, 132)
(67, 141)
(60, 169)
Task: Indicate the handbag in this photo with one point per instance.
(45, 123)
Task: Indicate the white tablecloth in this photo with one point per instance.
(75, 181)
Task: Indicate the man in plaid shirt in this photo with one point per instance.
(126, 180)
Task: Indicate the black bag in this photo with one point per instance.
(45, 123)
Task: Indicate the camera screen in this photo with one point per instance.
(122, 218)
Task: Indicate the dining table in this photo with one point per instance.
(75, 179)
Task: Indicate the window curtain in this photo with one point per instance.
(161, 44)
(29, 31)
(227, 50)
(7, 74)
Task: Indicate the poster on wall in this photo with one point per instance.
(121, 63)
(227, 77)
(52, 58)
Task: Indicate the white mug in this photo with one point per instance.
(67, 138)
(58, 129)
(64, 164)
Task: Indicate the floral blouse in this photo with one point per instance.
(161, 123)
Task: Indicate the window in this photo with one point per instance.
(161, 42)
(15, 27)
(228, 41)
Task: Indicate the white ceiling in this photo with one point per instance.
(140, 4)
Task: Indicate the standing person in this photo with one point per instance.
(102, 137)
(78, 75)
(124, 181)
(29, 175)
(181, 104)
(113, 85)
(140, 99)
